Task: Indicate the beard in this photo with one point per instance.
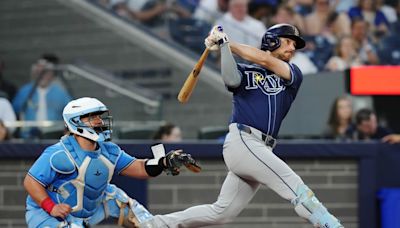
(286, 56)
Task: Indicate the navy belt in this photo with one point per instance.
(267, 139)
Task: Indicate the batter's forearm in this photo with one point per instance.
(229, 71)
(262, 58)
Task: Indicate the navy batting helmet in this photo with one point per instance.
(271, 42)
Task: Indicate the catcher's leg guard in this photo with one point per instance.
(320, 217)
(129, 212)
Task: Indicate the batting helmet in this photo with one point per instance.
(271, 42)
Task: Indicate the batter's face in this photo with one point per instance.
(287, 49)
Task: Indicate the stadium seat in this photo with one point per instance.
(189, 32)
(212, 132)
(389, 51)
(137, 132)
(51, 133)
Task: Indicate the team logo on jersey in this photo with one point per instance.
(268, 84)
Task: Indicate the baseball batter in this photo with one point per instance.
(262, 95)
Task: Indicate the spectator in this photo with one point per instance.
(285, 14)
(262, 10)
(211, 10)
(397, 7)
(304, 62)
(388, 10)
(365, 49)
(7, 113)
(368, 11)
(345, 56)
(303, 7)
(337, 26)
(190, 5)
(392, 138)
(168, 133)
(344, 6)
(317, 20)
(367, 127)
(4, 133)
(43, 98)
(340, 119)
(240, 26)
(149, 12)
(6, 88)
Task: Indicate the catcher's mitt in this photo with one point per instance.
(176, 158)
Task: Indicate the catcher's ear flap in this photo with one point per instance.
(270, 42)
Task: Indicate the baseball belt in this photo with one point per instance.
(267, 139)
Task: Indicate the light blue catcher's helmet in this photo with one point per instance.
(87, 107)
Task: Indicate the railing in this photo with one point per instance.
(139, 35)
(106, 80)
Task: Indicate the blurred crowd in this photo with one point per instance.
(41, 99)
(345, 125)
(339, 33)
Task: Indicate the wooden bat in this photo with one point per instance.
(192, 79)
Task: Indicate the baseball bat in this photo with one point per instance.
(191, 81)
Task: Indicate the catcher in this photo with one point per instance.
(69, 184)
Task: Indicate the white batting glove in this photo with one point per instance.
(218, 35)
(216, 38)
(211, 44)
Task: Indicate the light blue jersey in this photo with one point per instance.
(77, 177)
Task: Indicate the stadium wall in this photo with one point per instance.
(344, 176)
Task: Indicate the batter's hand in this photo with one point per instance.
(61, 210)
(210, 44)
(216, 37)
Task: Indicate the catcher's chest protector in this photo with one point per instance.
(90, 171)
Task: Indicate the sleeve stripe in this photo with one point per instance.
(126, 166)
(44, 185)
(291, 75)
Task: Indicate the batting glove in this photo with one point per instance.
(216, 38)
(218, 35)
(211, 44)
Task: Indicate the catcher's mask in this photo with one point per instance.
(89, 118)
(271, 41)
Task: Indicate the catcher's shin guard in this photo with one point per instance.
(132, 213)
(320, 217)
(129, 212)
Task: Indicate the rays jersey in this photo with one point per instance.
(78, 177)
(263, 99)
